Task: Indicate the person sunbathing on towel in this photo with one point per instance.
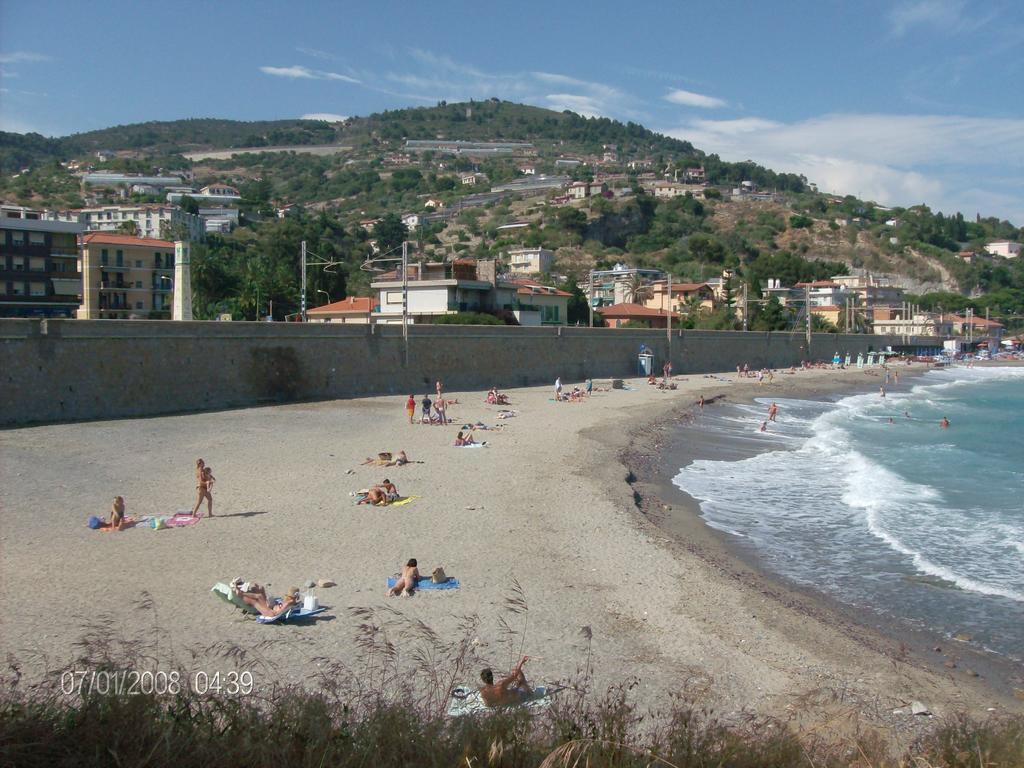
(254, 595)
(508, 691)
(382, 459)
(375, 496)
(407, 582)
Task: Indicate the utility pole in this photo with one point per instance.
(807, 309)
(405, 301)
(590, 299)
(668, 318)
(744, 306)
(302, 305)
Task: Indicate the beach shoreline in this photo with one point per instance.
(680, 441)
(547, 507)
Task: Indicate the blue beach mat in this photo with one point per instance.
(295, 614)
(424, 582)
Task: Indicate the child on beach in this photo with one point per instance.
(410, 407)
(427, 405)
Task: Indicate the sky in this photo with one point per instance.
(908, 102)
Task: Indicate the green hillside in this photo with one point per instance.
(797, 235)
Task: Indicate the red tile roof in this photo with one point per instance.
(351, 305)
(113, 238)
(625, 311)
(540, 290)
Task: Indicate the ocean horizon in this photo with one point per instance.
(867, 499)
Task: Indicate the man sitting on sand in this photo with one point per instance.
(405, 584)
(508, 691)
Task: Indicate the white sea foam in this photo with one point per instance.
(782, 499)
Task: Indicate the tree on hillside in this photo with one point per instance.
(128, 228)
(390, 232)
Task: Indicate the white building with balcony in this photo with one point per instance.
(529, 261)
(151, 220)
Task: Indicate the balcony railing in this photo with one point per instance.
(115, 267)
(109, 285)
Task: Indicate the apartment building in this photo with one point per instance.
(151, 220)
(125, 277)
(530, 261)
(39, 274)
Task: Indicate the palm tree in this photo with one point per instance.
(637, 290)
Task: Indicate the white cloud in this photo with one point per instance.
(329, 117)
(582, 105)
(17, 57)
(298, 72)
(946, 16)
(893, 159)
(691, 99)
(432, 77)
(293, 72)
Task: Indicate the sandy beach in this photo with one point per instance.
(546, 504)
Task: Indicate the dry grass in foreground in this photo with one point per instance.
(389, 709)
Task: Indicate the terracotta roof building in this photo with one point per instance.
(354, 309)
(617, 315)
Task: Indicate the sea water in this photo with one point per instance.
(871, 501)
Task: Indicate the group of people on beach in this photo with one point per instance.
(433, 411)
(119, 519)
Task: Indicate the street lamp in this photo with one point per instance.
(325, 293)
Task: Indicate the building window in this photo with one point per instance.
(138, 283)
(18, 263)
(17, 238)
(157, 260)
(37, 264)
(119, 256)
(138, 305)
(37, 289)
(17, 289)
(37, 238)
(138, 263)
(104, 256)
(393, 297)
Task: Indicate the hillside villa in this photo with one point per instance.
(464, 285)
(1004, 248)
(529, 261)
(685, 296)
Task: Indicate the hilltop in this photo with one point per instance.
(785, 230)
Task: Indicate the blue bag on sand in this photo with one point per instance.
(94, 522)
